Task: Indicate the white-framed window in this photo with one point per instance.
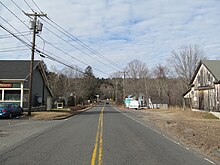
(12, 95)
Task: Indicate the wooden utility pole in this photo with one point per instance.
(124, 72)
(35, 31)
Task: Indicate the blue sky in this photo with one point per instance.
(120, 30)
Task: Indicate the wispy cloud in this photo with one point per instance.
(123, 30)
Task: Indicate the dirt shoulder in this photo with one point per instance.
(197, 130)
(55, 114)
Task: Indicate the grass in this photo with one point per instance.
(209, 116)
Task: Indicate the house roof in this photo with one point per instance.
(213, 66)
(15, 69)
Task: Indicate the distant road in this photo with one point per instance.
(101, 135)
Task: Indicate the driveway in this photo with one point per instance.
(16, 130)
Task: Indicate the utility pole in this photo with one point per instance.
(124, 72)
(124, 86)
(36, 27)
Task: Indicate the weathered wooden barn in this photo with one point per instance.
(205, 87)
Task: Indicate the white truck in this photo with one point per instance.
(134, 104)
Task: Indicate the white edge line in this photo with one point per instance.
(209, 161)
(159, 133)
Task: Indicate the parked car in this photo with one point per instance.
(10, 109)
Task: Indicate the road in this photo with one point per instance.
(101, 135)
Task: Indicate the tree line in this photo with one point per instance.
(164, 82)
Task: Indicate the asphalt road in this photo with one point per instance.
(101, 135)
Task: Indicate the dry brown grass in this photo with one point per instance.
(55, 114)
(198, 130)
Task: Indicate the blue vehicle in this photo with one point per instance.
(10, 109)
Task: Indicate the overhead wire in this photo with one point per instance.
(12, 50)
(46, 55)
(13, 14)
(20, 33)
(14, 28)
(76, 39)
(29, 6)
(37, 7)
(36, 50)
(78, 48)
(12, 47)
(24, 42)
(3, 36)
(18, 38)
(57, 47)
(20, 8)
(70, 55)
(73, 38)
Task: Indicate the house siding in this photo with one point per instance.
(217, 96)
(39, 90)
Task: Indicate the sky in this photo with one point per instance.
(120, 31)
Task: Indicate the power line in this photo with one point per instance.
(75, 39)
(10, 36)
(71, 55)
(37, 6)
(5, 35)
(12, 47)
(29, 6)
(45, 55)
(14, 28)
(79, 41)
(17, 5)
(14, 14)
(20, 8)
(54, 33)
(38, 51)
(13, 50)
(79, 49)
(21, 40)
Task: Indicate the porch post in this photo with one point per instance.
(22, 94)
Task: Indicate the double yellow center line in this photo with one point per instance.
(98, 141)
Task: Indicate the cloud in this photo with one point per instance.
(122, 30)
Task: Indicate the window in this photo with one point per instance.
(14, 95)
(198, 78)
(0, 94)
(25, 96)
(209, 77)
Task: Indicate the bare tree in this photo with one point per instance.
(185, 60)
(72, 81)
(160, 73)
(137, 73)
(117, 81)
(136, 69)
(66, 82)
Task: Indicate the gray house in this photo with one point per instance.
(204, 93)
(14, 86)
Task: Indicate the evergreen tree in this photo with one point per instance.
(91, 84)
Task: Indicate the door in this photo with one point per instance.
(201, 99)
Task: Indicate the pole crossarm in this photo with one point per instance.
(35, 14)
